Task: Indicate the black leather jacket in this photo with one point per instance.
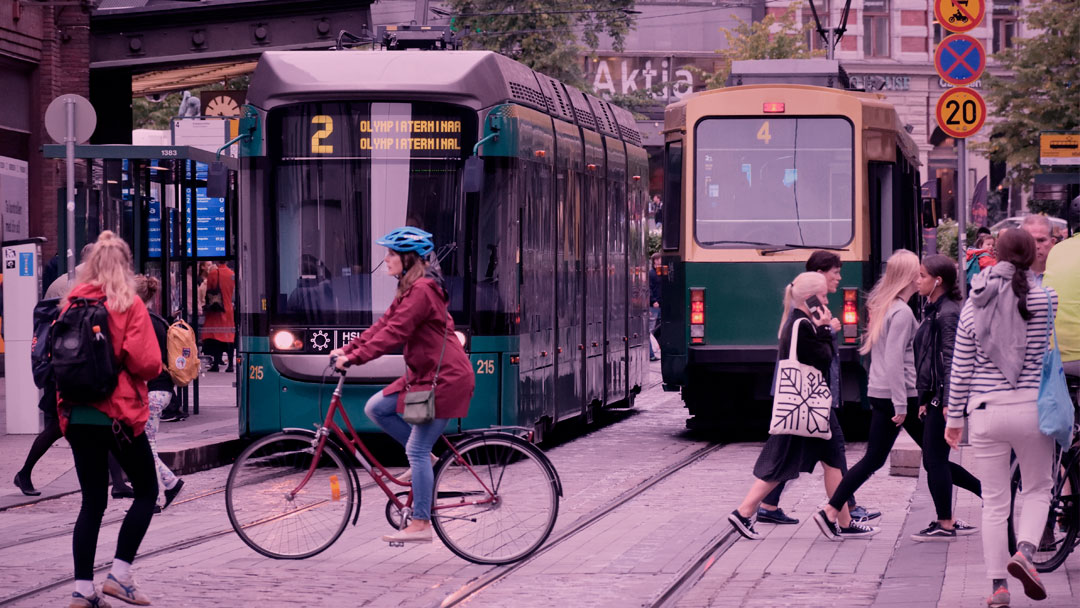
(934, 341)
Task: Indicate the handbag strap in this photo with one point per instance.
(794, 339)
(438, 366)
(1050, 321)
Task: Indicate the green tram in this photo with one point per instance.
(757, 177)
(543, 255)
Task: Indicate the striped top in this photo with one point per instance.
(974, 375)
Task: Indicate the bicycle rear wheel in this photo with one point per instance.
(262, 509)
(498, 502)
(1063, 520)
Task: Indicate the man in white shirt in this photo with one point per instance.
(1038, 226)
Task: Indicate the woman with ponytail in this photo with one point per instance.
(1001, 340)
(785, 456)
(933, 359)
(892, 380)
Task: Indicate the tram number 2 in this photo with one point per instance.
(255, 372)
(968, 112)
(485, 366)
(317, 145)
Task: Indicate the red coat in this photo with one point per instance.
(418, 319)
(221, 326)
(136, 348)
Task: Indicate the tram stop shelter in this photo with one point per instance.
(156, 198)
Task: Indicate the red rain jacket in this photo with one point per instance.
(221, 326)
(136, 347)
(418, 319)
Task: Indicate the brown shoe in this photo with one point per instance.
(1022, 568)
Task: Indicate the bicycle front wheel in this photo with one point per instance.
(497, 503)
(271, 514)
(1063, 520)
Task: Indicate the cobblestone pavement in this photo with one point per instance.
(626, 558)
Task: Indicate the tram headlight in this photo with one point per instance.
(285, 340)
(463, 339)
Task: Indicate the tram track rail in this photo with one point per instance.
(478, 585)
(695, 570)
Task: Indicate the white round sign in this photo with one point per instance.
(56, 118)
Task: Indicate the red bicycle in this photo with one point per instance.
(290, 495)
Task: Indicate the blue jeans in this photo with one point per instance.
(418, 440)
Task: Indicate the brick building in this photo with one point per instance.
(44, 52)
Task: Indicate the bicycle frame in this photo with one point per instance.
(371, 465)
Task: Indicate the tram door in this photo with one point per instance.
(616, 339)
(569, 281)
(594, 234)
(537, 297)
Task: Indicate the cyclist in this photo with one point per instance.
(419, 319)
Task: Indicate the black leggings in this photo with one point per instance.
(940, 473)
(91, 445)
(47, 436)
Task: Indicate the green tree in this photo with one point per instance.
(777, 36)
(548, 38)
(1040, 90)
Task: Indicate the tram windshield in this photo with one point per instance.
(774, 181)
(346, 173)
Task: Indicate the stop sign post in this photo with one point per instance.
(70, 119)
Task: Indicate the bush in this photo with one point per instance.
(946, 237)
(653, 242)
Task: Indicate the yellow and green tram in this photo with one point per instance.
(543, 253)
(757, 178)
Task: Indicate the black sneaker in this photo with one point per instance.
(934, 532)
(829, 529)
(776, 516)
(123, 491)
(743, 525)
(963, 528)
(170, 493)
(171, 417)
(858, 530)
(862, 514)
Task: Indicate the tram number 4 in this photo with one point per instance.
(968, 112)
(317, 145)
(485, 366)
(255, 372)
(763, 133)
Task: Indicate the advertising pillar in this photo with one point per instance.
(22, 284)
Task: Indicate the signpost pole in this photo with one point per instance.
(69, 142)
(961, 206)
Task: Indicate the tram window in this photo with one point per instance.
(774, 181)
(672, 196)
(337, 189)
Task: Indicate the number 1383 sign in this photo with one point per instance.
(961, 112)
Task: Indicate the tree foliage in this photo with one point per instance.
(548, 37)
(777, 36)
(1041, 88)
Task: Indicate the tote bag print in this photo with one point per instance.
(802, 400)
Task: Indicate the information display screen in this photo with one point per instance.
(209, 219)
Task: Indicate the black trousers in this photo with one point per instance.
(216, 348)
(91, 446)
(47, 436)
(940, 473)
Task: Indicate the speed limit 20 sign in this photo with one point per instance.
(960, 112)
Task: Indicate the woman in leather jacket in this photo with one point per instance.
(933, 344)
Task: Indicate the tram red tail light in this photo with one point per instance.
(697, 316)
(772, 107)
(851, 315)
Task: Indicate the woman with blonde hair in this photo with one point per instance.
(888, 341)
(114, 425)
(785, 456)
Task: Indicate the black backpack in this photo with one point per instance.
(45, 312)
(83, 361)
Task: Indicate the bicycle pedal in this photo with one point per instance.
(397, 543)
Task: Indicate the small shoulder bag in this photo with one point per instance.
(420, 405)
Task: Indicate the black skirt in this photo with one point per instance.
(785, 456)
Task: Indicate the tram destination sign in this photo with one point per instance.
(960, 59)
(959, 15)
(350, 136)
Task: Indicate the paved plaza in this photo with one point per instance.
(627, 556)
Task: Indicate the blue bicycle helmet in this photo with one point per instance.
(408, 238)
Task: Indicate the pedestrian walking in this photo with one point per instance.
(1001, 340)
(828, 264)
(219, 332)
(96, 428)
(44, 313)
(785, 456)
(435, 360)
(654, 302)
(933, 346)
(892, 379)
(160, 392)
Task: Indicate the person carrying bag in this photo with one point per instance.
(438, 382)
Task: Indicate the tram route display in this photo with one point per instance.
(350, 130)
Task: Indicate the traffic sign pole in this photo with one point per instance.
(961, 208)
(69, 142)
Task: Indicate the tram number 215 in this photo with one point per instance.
(485, 366)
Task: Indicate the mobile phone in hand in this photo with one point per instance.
(815, 306)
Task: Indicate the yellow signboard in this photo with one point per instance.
(1059, 148)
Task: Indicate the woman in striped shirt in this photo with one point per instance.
(996, 366)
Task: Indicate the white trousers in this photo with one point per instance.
(994, 432)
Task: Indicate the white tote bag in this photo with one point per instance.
(802, 401)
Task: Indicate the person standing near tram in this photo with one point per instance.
(219, 332)
(419, 320)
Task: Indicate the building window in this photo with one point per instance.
(814, 41)
(876, 28)
(1005, 21)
